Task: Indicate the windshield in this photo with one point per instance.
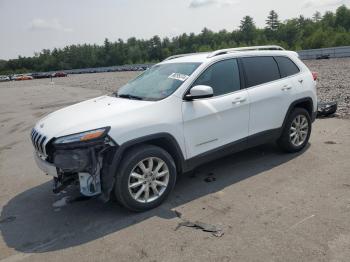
(157, 82)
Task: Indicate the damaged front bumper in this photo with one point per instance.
(86, 164)
(45, 166)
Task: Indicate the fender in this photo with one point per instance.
(108, 177)
(292, 106)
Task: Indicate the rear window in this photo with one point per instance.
(287, 66)
(261, 69)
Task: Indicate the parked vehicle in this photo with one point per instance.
(22, 77)
(41, 75)
(59, 74)
(4, 78)
(179, 114)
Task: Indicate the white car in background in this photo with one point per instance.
(4, 78)
(179, 114)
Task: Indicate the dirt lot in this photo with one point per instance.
(271, 206)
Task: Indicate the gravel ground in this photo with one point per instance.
(334, 82)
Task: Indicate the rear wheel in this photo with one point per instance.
(296, 132)
(145, 178)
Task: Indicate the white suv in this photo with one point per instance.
(182, 112)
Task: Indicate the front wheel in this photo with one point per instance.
(296, 132)
(145, 178)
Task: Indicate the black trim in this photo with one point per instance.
(264, 137)
(190, 97)
(279, 69)
(242, 77)
(313, 117)
(216, 153)
(234, 147)
(292, 106)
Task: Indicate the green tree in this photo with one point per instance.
(247, 29)
(317, 17)
(272, 21)
(343, 17)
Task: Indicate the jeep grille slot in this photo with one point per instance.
(38, 141)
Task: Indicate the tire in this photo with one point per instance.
(131, 178)
(287, 141)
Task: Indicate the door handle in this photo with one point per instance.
(300, 80)
(239, 100)
(286, 87)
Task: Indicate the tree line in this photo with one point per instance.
(328, 30)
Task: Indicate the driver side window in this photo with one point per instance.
(222, 76)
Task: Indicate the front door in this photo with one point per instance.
(212, 123)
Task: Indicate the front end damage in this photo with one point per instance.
(87, 164)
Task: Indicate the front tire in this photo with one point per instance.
(146, 176)
(296, 131)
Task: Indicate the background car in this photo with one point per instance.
(41, 75)
(4, 78)
(59, 74)
(23, 77)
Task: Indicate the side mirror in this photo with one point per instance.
(200, 91)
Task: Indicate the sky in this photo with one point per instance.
(28, 26)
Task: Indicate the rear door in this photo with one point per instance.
(215, 122)
(268, 93)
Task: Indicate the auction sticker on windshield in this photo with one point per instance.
(178, 76)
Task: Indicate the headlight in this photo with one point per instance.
(82, 137)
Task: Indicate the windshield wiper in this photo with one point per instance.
(128, 96)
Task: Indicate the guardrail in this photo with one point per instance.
(330, 52)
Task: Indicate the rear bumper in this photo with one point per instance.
(45, 166)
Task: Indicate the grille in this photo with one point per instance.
(38, 141)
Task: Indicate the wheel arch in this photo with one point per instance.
(305, 103)
(162, 140)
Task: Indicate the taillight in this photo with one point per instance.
(314, 76)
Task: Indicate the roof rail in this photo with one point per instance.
(248, 48)
(182, 55)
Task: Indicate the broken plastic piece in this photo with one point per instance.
(326, 108)
(215, 230)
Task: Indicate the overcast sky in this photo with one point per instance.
(28, 26)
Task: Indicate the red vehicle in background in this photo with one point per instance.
(59, 74)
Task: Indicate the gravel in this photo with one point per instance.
(333, 82)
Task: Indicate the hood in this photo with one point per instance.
(90, 114)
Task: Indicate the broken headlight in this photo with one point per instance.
(83, 137)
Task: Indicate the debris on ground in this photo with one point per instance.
(326, 109)
(213, 229)
(210, 178)
(61, 203)
(330, 142)
(7, 219)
